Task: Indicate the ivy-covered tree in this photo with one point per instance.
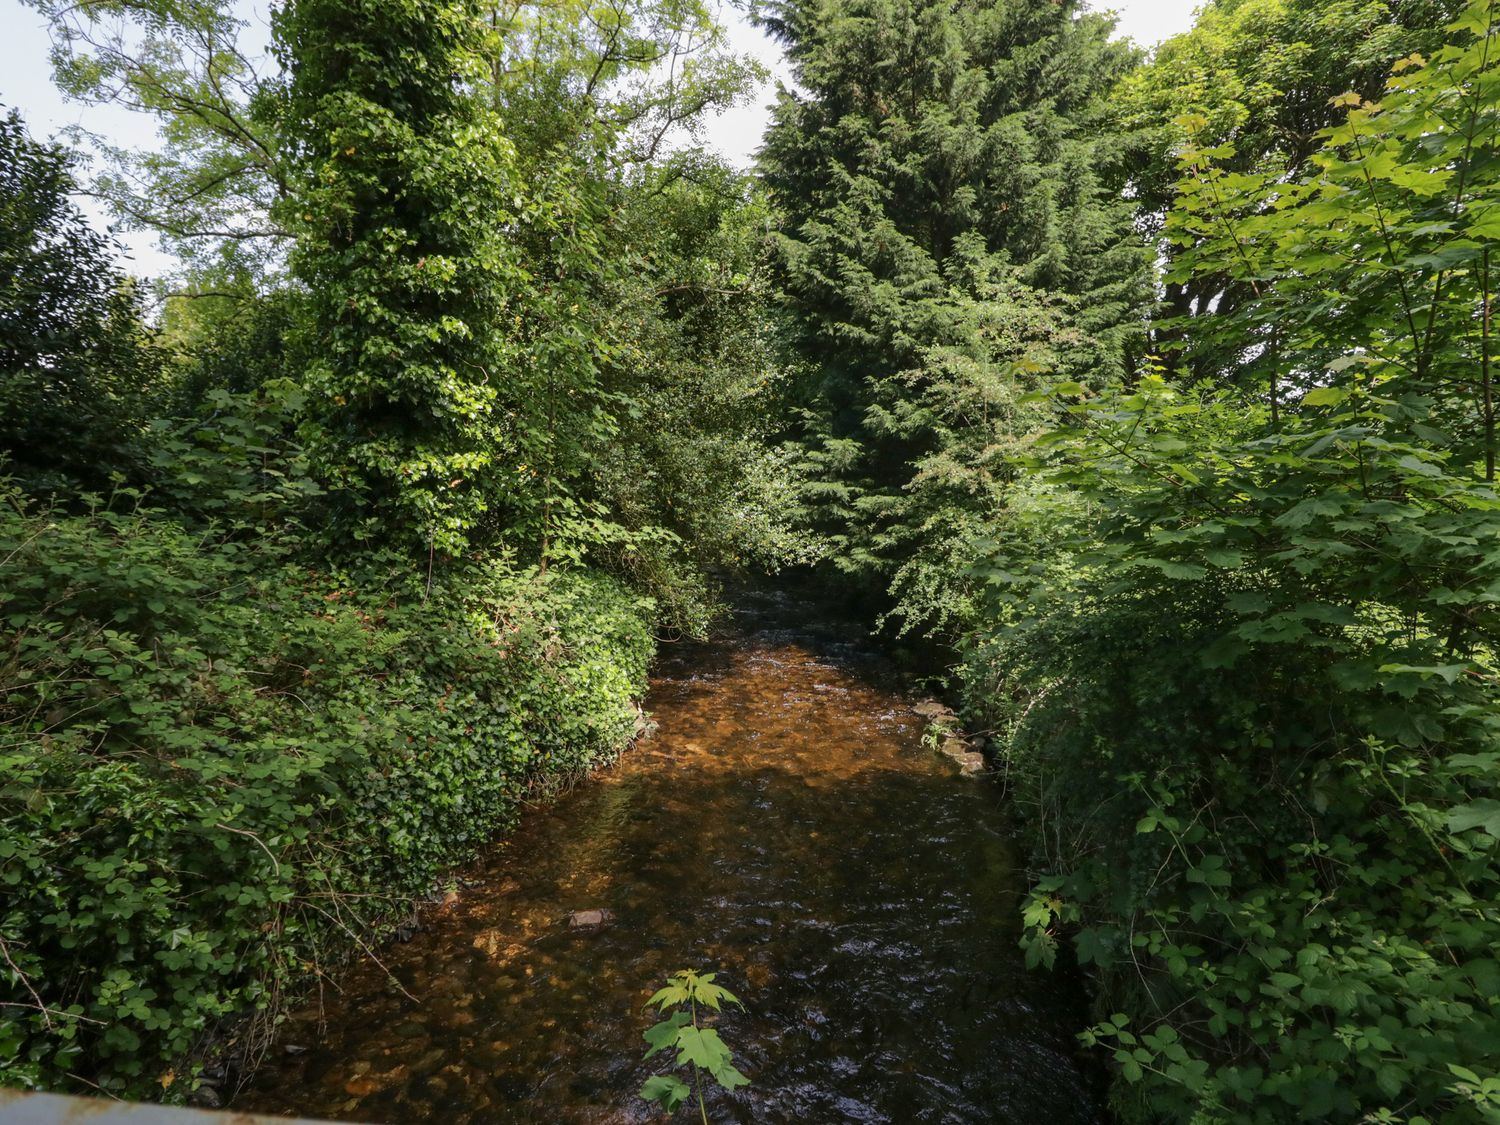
(402, 198)
(949, 222)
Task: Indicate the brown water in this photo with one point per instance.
(784, 826)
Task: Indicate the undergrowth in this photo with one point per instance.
(224, 768)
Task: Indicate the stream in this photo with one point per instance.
(786, 827)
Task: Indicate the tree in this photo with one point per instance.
(1244, 657)
(211, 189)
(77, 365)
(402, 197)
(696, 380)
(636, 76)
(948, 225)
(1260, 76)
(599, 99)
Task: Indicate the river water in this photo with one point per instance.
(784, 826)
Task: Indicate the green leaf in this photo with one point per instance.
(1390, 1078)
(1483, 814)
(1325, 396)
(729, 1078)
(664, 1034)
(1222, 557)
(702, 1047)
(669, 996)
(1172, 569)
(666, 1090)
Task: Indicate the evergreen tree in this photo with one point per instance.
(949, 225)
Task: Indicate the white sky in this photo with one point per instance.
(26, 84)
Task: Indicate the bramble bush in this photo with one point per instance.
(223, 768)
(1263, 789)
(1243, 645)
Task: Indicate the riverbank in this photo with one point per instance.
(224, 772)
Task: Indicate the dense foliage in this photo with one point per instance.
(223, 766)
(1159, 391)
(1243, 659)
(308, 583)
(76, 370)
(1262, 76)
(1226, 611)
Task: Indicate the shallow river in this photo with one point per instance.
(784, 826)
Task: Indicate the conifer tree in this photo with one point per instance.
(949, 224)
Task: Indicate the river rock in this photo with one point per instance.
(934, 712)
(588, 919)
(962, 753)
(645, 725)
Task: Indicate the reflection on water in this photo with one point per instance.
(784, 826)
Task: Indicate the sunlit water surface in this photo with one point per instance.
(785, 826)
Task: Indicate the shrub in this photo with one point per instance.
(219, 768)
(1262, 772)
(1243, 649)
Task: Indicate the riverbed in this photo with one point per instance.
(784, 826)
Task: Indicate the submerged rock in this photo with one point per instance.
(645, 725)
(934, 712)
(588, 919)
(944, 732)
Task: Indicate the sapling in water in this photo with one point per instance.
(697, 1047)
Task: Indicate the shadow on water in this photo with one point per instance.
(784, 826)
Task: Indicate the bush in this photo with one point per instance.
(1243, 648)
(1261, 769)
(220, 767)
